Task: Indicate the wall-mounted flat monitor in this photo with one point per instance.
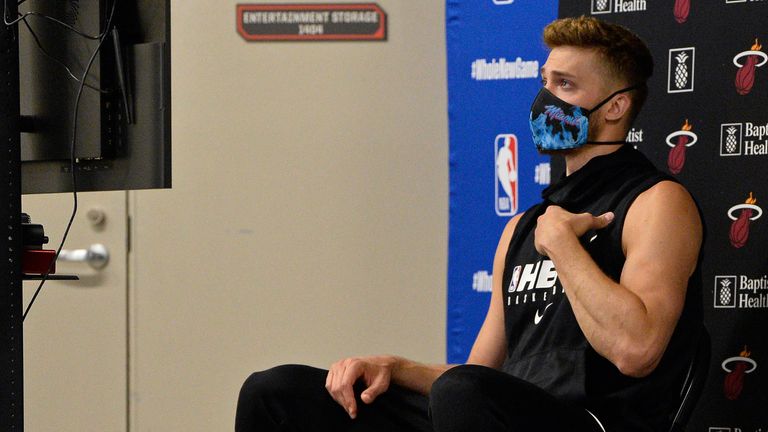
(123, 132)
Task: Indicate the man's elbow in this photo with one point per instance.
(638, 363)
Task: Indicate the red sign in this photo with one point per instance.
(311, 22)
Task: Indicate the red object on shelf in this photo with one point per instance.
(37, 261)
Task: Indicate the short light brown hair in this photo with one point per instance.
(624, 54)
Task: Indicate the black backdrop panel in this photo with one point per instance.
(706, 122)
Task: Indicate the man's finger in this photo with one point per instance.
(377, 387)
(602, 221)
(337, 387)
(351, 374)
(329, 380)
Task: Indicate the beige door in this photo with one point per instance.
(308, 215)
(75, 336)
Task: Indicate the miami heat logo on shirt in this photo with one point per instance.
(534, 283)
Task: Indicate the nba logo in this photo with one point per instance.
(506, 175)
(515, 277)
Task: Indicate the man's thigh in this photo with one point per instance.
(472, 397)
(293, 398)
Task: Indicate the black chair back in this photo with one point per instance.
(693, 385)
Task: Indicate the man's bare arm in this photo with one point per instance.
(629, 322)
(490, 347)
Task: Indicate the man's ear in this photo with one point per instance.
(618, 107)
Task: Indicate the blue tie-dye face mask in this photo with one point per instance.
(558, 125)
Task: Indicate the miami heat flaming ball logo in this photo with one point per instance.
(682, 9)
(680, 141)
(749, 212)
(736, 368)
(745, 76)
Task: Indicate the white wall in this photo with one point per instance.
(308, 216)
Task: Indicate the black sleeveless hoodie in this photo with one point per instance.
(545, 343)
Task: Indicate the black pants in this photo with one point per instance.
(465, 398)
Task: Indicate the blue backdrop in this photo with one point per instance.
(495, 50)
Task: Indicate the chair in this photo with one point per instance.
(694, 382)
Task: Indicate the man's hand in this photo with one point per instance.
(557, 227)
(375, 372)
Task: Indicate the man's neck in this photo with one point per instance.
(576, 159)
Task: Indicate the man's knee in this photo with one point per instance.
(284, 381)
(456, 396)
(457, 382)
(263, 394)
(265, 383)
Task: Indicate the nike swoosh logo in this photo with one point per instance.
(537, 318)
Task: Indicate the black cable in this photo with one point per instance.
(49, 18)
(72, 160)
(61, 63)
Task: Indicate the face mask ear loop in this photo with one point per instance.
(636, 86)
(624, 90)
(605, 142)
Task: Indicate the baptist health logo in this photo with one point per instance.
(743, 139)
(681, 68)
(741, 291)
(506, 174)
(617, 6)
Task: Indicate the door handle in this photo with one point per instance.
(97, 256)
